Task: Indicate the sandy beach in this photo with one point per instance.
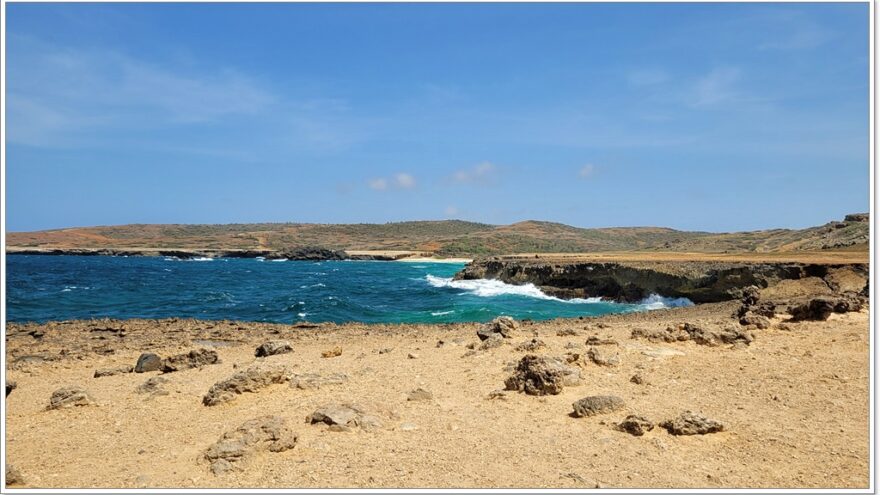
(793, 404)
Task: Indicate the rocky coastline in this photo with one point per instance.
(308, 253)
(699, 281)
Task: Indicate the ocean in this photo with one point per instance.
(48, 288)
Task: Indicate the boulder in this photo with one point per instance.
(503, 325)
(536, 375)
(232, 451)
(635, 425)
(69, 397)
(148, 362)
(113, 371)
(10, 386)
(192, 359)
(597, 404)
(688, 423)
(603, 358)
(251, 380)
(818, 309)
(272, 348)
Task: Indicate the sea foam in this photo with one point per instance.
(493, 288)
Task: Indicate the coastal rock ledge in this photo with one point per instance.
(699, 281)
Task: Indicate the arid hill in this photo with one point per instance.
(450, 238)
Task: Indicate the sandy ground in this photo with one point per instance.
(794, 404)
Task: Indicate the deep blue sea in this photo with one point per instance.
(43, 288)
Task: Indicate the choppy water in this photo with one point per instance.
(42, 288)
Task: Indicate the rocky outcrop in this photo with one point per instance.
(536, 375)
(597, 404)
(192, 359)
(234, 448)
(689, 423)
(309, 253)
(251, 380)
(70, 397)
(633, 281)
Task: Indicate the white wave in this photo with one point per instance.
(201, 258)
(441, 313)
(280, 259)
(312, 286)
(655, 301)
(301, 315)
(492, 288)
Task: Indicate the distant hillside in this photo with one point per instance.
(449, 237)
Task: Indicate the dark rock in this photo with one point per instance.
(250, 380)
(192, 359)
(635, 425)
(272, 348)
(503, 325)
(113, 371)
(759, 321)
(10, 386)
(818, 309)
(597, 404)
(536, 375)
(638, 379)
(69, 397)
(235, 447)
(688, 423)
(751, 295)
(857, 217)
(148, 362)
(308, 253)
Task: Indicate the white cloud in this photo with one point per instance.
(482, 174)
(405, 181)
(586, 171)
(451, 211)
(378, 184)
(400, 180)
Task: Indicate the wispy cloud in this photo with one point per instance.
(716, 87)
(482, 174)
(587, 171)
(451, 211)
(400, 180)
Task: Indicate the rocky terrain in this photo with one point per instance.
(749, 393)
(450, 238)
(632, 281)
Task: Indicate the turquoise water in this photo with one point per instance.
(43, 288)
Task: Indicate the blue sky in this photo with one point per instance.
(714, 117)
